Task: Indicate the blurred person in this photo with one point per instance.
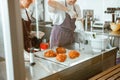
(63, 13)
(26, 21)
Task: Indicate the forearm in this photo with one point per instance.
(57, 5)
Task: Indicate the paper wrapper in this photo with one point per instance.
(115, 27)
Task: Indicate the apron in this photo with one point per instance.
(26, 32)
(63, 34)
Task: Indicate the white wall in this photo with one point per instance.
(110, 3)
(95, 5)
(46, 11)
(99, 6)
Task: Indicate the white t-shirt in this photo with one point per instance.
(32, 11)
(24, 15)
(58, 16)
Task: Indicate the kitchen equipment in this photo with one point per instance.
(99, 43)
(98, 26)
(117, 16)
(115, 13)
(88, 16)
(89, 35)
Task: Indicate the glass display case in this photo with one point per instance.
(14, 67)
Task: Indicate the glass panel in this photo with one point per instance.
(2, 55)
(94, 18)
(10, 48)
(1, 39)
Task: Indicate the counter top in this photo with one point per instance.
(44, 68)
(111, 33)
(116, 33)
(85, 54)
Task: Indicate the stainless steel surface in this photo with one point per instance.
(45, 68)
(114, 35)
(85, 69)
(42, 68)
(1, 39)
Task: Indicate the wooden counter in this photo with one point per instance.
(112, 73)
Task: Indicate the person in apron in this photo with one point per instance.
(26, 24)
(63, 34)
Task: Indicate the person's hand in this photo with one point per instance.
(25, 3)
(72, 13)
(80, 19)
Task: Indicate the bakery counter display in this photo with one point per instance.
(76, 65)
(61, 54)
(64, 56)
(82, 64)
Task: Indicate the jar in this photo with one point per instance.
(44, 45)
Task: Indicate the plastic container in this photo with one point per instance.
(44, 45)
(99, 43)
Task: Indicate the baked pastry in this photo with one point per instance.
(73, 54)
(61, 57)
(50, 53)
(60, 50)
